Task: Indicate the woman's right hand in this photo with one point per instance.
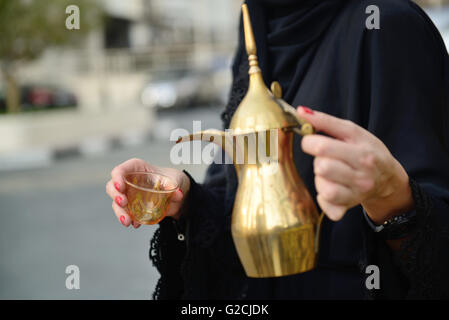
(115, 188)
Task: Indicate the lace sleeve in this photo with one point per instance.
(419, 269)
(424, 256)
(167, 252)
(205, 264)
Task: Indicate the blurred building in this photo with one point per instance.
(138, 36)
(109, 70)
(438, 10)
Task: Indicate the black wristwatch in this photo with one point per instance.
(397, 227)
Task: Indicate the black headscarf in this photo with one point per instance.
(286, 30)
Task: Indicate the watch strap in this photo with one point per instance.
(397, 227)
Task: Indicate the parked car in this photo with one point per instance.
(37, 97)
(182, 89)
(46, 96)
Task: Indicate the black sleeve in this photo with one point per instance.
(406, 72)
(205, 265)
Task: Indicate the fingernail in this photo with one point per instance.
(118, 200)
(307, 110)
(181, 192)
(122, 219)
(117, 186)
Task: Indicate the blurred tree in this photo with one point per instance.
(28, 27)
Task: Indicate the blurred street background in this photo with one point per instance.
(75, 103)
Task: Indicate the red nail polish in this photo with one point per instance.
(307, 110)
(118, 200)
(181, 192)
(117, 186)
(122, 219)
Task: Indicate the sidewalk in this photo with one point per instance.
(37, 139)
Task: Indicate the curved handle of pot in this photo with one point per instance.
(318, 232)
(305, 129)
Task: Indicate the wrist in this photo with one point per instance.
(396, 228)
(397, 200)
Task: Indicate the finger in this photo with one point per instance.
(334, 212)
(321, 146)
(121, 214)
(334, 170)
(135, 225)
(334, 193)
(119, 171)
(333, 126)
(115, 195)
(110, 189)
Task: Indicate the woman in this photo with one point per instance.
(379, 169)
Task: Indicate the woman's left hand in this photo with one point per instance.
(354, 167)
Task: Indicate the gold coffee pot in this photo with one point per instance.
(275, 223)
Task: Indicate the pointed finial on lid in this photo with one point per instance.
(259, 110)
(250, 41)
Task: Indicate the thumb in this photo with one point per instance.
(178, 195)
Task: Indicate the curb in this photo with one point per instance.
(34, 158)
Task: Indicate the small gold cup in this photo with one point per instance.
(148, 196)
